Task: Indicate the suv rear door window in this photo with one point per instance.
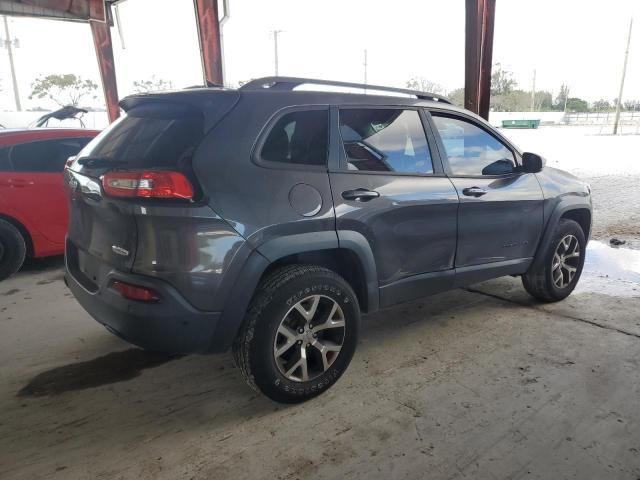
(298, 137)
(45, 155)
(471, 150)
(387, 140)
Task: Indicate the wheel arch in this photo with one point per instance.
(349, 259)
(570, 207)
(582, 216)
(23, 231)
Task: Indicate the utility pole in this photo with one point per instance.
(624, 73)
(566, 98)
(7, 42)
(275, 49)
(365, 66)
(533, 92)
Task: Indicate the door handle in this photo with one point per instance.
(474, 191)
(360, 195)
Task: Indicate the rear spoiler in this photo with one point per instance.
(212, 103)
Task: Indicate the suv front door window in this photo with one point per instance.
(472, 151)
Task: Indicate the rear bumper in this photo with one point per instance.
(171, 325)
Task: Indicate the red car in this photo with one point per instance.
(33, 205)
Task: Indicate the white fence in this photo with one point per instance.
(561, 118)
(602, 118)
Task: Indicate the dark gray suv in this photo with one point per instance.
(266, 219)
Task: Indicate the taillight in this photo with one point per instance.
(135, 292)
(147, 184)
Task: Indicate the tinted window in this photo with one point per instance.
(298, 137)
(471, 150)
(150, 136)
(45, 155)
(5, 166)
(386, 140)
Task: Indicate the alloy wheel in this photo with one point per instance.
(566, 260)
(309, 338)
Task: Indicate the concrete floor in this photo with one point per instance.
(478, 383)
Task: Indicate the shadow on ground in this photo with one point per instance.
(111, 368)
(36, 265)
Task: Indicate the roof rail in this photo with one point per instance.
(289, 83)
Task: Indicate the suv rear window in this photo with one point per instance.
(298, 137)
(158, 136)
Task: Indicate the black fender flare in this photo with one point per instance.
(566, 204)
(261, 258)
(358, 244)
(350, 240)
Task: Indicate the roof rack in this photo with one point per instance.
(289, 83)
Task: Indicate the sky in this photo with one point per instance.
(577, 42)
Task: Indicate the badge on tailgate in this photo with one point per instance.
(120, 250)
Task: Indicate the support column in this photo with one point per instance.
(480, 17)
(209, 38)
(104, 53)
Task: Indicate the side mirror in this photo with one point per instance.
(532, 163)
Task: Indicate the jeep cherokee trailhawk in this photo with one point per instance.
(267, 219)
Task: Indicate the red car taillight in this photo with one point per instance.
(135, 292)
(147, 184)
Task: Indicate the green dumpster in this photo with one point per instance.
(521, 123)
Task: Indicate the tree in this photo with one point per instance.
(601, 105)
(457, 97)
(424, 85)
(502, 81)
(544, 101)
(64, 89)
(152, 85)
(513, 101)
(562, 96)
(632, 105)
(575, 104)
(520, 101)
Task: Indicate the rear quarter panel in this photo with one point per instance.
(255, 199)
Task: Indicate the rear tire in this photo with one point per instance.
(13, 249)
(553, 277)
(279, 350)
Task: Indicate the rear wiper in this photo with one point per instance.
(96, 162)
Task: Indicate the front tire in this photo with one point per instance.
(554, 277)
(13, 249)
(299, 334)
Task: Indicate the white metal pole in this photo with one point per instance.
(624, 73)
(16, 94)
